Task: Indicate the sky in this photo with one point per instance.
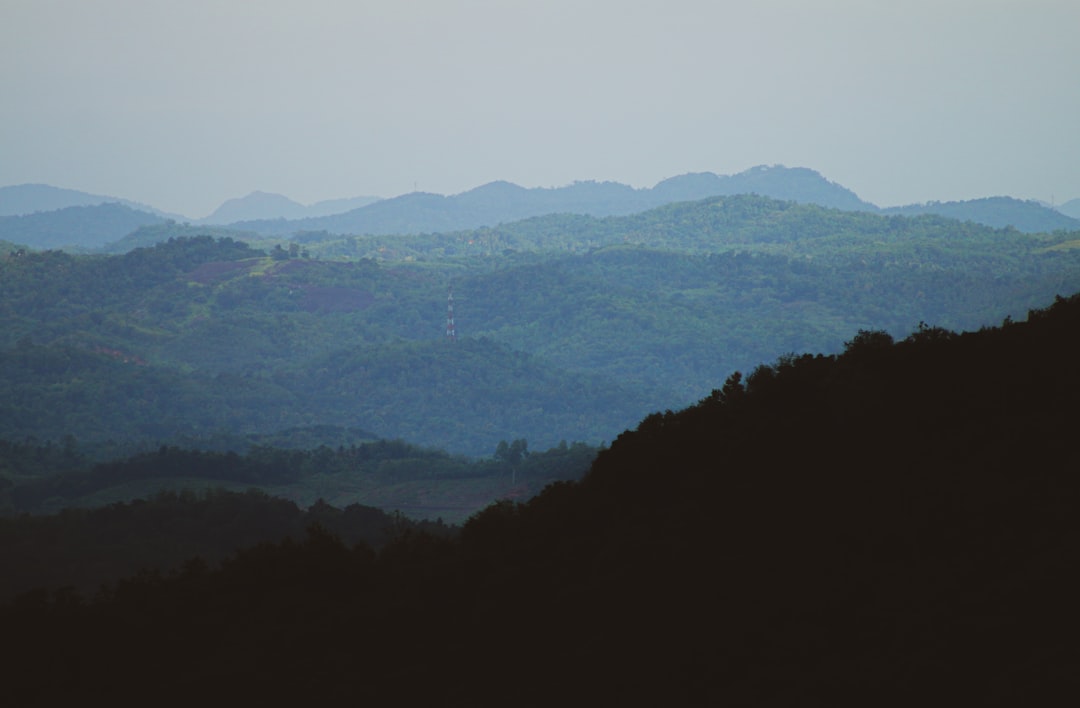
(184, 104)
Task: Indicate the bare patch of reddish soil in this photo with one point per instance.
(321, 298)
(219, 271)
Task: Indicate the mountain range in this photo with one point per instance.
(501, 202)
(41, 217)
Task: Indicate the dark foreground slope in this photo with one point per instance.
(890, 526)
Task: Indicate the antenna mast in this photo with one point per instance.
(451, 331)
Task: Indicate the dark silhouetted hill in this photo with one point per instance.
(894, 522)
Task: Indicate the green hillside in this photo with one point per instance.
(78, 227)
(569, 327)
(1000, 212)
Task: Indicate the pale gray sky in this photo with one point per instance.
(184, 104)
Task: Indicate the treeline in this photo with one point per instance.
(889, 523)
(194, 514)
(85, 552)
(36, 478)
(463, 397)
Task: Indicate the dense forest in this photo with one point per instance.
(888, 523)
(995, 211)
(37, 478)
(570, 327)
(75, 227)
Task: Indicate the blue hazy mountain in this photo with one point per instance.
(796, 184)
(257, 205)
(24, 199)
(78, 227)
(264, 205)
(501, 202)
(31, 213)
(1071, 208)
(999, 212)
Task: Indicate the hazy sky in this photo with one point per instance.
(184, 104)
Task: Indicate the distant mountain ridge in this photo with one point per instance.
(26, 199)
(30, 214)
(501, 202)
(999, 212)
(78, 227)
(796, 184)
(264, 205)
(1071, 208)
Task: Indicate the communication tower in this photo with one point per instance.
(451, 331)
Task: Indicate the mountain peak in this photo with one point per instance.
(254, 206)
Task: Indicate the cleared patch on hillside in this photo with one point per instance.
(325, 299)
(220, 271)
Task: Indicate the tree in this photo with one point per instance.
(869, 340)
(513, 452)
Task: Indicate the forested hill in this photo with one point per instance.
(707, 225)
(999, 212)
(890, 523)
(77, 227)
(501, 203)
(569, 327)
